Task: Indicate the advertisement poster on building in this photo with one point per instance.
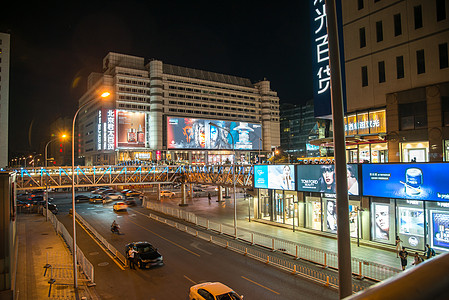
(440, 229)
(187, 133)
(275, 177)
(411, 226)
(321, 178)
(381, 214)
(406, 181)
(131, 129)
(331, 216)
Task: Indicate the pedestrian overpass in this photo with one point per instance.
(89, 176)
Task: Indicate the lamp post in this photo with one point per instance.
(75, 275)
(233, 175)
(32, 160)
(46, 147)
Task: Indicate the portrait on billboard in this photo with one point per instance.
(281, 177)
(326, 182)
(381, 221)
(353, 184)
(219, 138)
(331, 220)
(131, 129)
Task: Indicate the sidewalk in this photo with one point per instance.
(223, 212)
(39, 244)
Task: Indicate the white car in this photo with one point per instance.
(120, 206)
(114, 196)
(167, 194)
(212, 290)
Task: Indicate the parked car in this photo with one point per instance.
(96, 199)
(133, 193)
(124, 191)
(82, 198)
(114, 196)
(212, 290)
(147, 256)
(100, 189)
(120, 206)
(167, 194)
(131, 201)
(106, 192)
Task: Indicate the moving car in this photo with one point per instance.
(96, 199)
(52, 207)
(167, 194)
(212, 290)
(133, 194)
(114, 196)
(82, 198)
(120, 206)
(125, 191)
(131, 201)
(146, 256)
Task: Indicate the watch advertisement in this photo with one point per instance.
(406, 181)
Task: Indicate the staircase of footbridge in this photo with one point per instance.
(88, 176)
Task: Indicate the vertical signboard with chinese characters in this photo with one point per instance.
(99, 131)
(320, 58)
(106, 129)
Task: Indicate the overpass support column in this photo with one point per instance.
(158, 192)
(227, 193)
(183, 195)
(220, 193)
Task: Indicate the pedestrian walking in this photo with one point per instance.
(131, 254)
(403, 254)
(398, 245)
(429, 252)
(418, 259)
(209, 197)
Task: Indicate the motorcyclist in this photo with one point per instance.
(115, 226)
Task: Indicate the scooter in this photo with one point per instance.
(115, 229)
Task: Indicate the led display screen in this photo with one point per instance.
(406, 181)
(187, 133)
(276, 177)
(440, 229)
(131, 129)
(321, 178)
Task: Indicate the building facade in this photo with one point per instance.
(4, 97)
(158, 112)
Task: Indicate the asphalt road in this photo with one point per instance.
(188, 260)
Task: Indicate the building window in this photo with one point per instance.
(442, 49)
(364, 76)
(362, 35)
(445, 109)
(400, 67)
(441, 10)
(360, 4)
(379, 31)
(417, 10)
(413, 115)
(381, 67)
(420, 62)
(397, 25)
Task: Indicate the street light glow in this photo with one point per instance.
(105, 94)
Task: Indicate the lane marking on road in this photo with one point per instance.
(196, 245)
(189, 279)
(166, 239)
(261, 285)
(102, 247)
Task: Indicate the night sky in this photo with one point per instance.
(54, 49)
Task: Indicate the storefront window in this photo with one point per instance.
(352, 154)
(410, 223)
(364, 154)
(415, 152)
(353, 218)
(264, 204)
(382, 215)
(446, 150)
(438, 216)
(379, 153)
(313, 213)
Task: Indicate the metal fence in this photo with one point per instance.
(360, 267)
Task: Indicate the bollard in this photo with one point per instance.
(208, 227)
(196, 233)
(327, 280)
(268, 259)
(272, 245)
(294, 269)
(360, 270)
(227, 245)
(252, 238)
(246, 251)
(297, 252)
(325, 261)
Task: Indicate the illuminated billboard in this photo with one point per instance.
(131, 129)
(321, 178)
(406, 181)
(276, 177)
(106, 129)
(187, 133)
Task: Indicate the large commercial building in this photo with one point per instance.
(4, 97)
(172, 114)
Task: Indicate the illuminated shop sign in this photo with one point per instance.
(99, 131)
(321, 178)
(406, 181)
(187, 133)
(276, 177)
(320, 54)
(366, 123)
(110, 130)
(131, 129)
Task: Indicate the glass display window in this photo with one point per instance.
(415, 152)
(313, 213)
(438, 216)
(379, 153)
(410, 223)
(353, 218)
(364, 154)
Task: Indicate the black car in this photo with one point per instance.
(82, 198)
(52, 207)
(96, 199)
(131, 201)
(147, 256)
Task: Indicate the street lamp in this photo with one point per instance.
(32, 160)
(233, 176)
(46, 146)
(75, 275)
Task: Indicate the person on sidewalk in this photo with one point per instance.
(429, 252)
(131, 254)
(403, 255)
(418, 259)
(398, 245)
(209, 197)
